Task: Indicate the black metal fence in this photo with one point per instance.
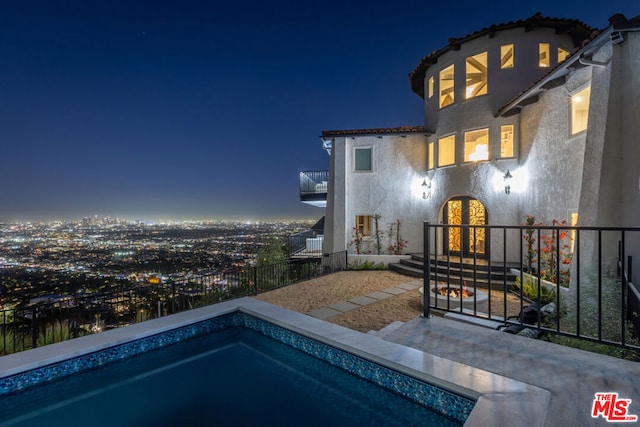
(298, 241)
(71, 316)
(559, 280)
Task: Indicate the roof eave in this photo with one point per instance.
(403, 130)
(560, 71)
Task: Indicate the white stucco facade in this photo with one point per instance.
(594, 173)
(391, 189)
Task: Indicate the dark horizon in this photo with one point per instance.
(166, 110)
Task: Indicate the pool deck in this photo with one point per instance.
(500, 400)
(517, 381)
(571, 376)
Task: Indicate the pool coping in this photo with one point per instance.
(500, 400)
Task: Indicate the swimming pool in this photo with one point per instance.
(232, 377)
(391, 367)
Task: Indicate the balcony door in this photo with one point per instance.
(465, 241)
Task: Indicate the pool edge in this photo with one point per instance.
(500, 400)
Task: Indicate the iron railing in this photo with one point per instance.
(23, 328)
(633, 296)
(313, 185)
(298, 241)
(586, 271)
(306, 243)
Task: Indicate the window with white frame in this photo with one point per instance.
(544, 55)
(506, 141)
(446, 86)
(580, 110)
(506, 56)
(476, 75)
(573, 222)
(476, 145)
(363, 162)
(363, 225)
(431, 86)
(562, 54)
(447, 150)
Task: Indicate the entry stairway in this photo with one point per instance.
(456, 270)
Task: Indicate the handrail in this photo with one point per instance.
(598, 305)
(25, 327)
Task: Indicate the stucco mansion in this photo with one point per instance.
(536, 117)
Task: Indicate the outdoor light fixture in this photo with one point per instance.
(426, 189)
(507, 176)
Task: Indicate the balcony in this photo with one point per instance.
(313, 188)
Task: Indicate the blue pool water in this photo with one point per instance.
(233, 377)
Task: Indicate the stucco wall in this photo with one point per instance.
(611, 192)
(626, 91)
(595, 173)
(627, 94)
(503, 84)
(334, 224)
(550, 156)
(392, 189)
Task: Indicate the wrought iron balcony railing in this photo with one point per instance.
(313, 187)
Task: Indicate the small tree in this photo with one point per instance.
(530, 240)
(357, 240)
(272, 252)
(377, 233)
(396, 243)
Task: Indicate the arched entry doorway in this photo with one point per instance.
(465, 241)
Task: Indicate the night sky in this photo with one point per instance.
(197, 110)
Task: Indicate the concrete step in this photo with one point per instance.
(456, 272)
(406, 270)
(467, 316)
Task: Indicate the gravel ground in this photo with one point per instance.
(324, 291)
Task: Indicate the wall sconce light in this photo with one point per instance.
(507, 176)
(426, 189)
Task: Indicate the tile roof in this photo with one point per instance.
(377, 131)
(578, 29)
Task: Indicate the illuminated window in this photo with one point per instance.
(506, 141)
(476, 145)
(431, 159)
(431, 81)
(476, 82)
(544, 59)
(363, 225)
(580, 110)
(506, 56)
(562, 54)
(573, 221)
(363, 159)
(446, 86)
(447, 150)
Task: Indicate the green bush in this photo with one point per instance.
(54, 332)
(530, 290)
(11, 342)
(367, 265)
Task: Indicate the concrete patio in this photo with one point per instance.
(571, 376)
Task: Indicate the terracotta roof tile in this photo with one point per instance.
(376, 131)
